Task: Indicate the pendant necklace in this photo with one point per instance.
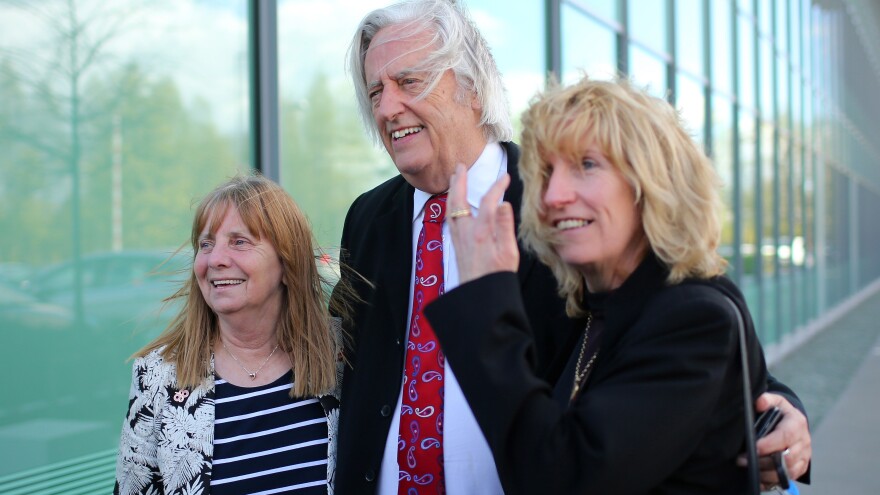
(581, 374)
(252, 374)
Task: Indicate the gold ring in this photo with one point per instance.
(461, 212)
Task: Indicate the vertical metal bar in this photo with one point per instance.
(264, 87)
(758, 168)
(707, 88)
(775, 118)
(737, 156)
(853, 220)
(553, 38)
(623, 38)
(672, 65)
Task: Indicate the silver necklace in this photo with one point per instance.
(581, 374)
(252, 374)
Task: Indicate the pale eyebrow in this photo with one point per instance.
(396, 77)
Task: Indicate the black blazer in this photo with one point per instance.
(662, 411)
(377, 244)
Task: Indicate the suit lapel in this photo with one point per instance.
(394, 229)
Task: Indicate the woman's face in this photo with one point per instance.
(592, 208)
(239, 275)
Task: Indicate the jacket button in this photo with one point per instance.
(370, 475)
(385, 411)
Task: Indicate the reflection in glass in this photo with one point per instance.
(647, 70)
(750, 209)
(122, 112)
(689, 35)
(691, 105)
(746, 62)
(327, 158)
(587, 46)
(514, 31)
(721, 41)
(647, 24)
(606, 10)
(765, 83)
(722, 158)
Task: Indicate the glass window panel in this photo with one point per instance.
(783, 104)
(515, 33)
(748, 194)
(765, 79)
(794, 34)
(810, 219)
(747, 64)
(750, 246)
(607, 10)
(689, 35)
(326, 156)
(768, 206)
(765, 17)
(722, 46)
(99, 170)
(647, 23)
(781, 33)
(806, 39)
(785, 206)
(586, 46)
(691, 105)
(647, 70)
(722, 158)
(745, 6)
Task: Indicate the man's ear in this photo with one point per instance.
(475, 102)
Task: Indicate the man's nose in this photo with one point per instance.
(390, 103)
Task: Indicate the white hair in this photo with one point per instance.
(459, 46)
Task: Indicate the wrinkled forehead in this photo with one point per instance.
(405, 47)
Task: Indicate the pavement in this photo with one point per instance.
(837, 375)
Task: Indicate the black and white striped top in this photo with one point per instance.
(267, 443)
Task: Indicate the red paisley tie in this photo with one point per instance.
(420, 440)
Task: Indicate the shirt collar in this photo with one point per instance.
(490, 165)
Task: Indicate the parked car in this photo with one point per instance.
(118, 288)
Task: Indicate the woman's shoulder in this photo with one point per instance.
(151, 359)
(154, 366)
(699, 291)
(697, 298)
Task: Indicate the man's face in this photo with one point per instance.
(426, 137)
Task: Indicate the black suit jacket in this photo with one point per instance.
(662, 411)
(377, 244)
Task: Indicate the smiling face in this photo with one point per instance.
(425, 137)
(593, 212)
(239, 275)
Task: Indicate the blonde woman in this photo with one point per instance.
(622, 205)
(240, 394)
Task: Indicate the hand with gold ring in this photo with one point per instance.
(461, 212)
(486, 243)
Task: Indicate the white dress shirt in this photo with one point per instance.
(467, 461)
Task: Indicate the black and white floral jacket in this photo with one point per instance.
(167, 441)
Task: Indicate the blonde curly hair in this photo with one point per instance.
(675, 185)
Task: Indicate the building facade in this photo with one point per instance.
(115, 117)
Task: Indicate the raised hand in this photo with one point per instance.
(486, 243)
